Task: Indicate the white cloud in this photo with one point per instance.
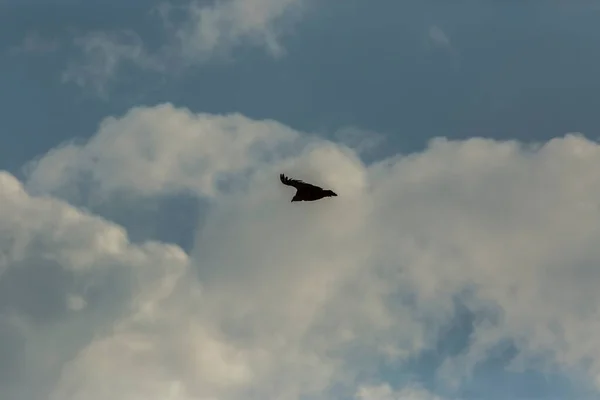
(385, 392)
(66, 277)
(439, 37)
(279, 300)
(163, 149)
(360, 140)
(225, 24)
(208, 30)
(34, 43)
(103, 54)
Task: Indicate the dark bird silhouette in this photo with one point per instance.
(306, 191)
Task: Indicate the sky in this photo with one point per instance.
(149, 251)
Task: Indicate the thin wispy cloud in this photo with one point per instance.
(206, 31)
(102, 57)
(439, 39)
(36, 43)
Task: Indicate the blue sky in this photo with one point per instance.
(524, 71)
(331, 76)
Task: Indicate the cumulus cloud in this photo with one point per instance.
(152, 151)
(285, 301)
(207, 30)
(65, 277)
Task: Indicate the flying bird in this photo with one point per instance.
(306, 191)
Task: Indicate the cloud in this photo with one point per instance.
(34, 43)
(65, 277)
(360, 140)
(282, 301)
(226, 24)
(138, 152)
(103, 55)
(385, 392)
(207, 30)
(439, 39)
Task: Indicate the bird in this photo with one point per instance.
(306, 191)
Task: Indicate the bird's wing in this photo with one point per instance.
(298, 184)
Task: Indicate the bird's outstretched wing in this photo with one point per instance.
(298, 184)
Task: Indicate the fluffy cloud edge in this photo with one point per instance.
(375, 280)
